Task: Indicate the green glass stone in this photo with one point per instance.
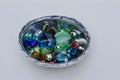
(46, 27)
(69, 28)
(62, 40)
(37, 49)
(29, 49)
(45, 50)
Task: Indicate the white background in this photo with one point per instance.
(101, 18)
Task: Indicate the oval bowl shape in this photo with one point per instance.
(54, 41)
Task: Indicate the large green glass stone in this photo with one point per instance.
(62, 40)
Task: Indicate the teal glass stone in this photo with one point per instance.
(54, 41)
(61, 57)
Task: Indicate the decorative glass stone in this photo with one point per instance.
(54, 41)
(62, 40)
(60, 57)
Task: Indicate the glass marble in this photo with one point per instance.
(54, 41)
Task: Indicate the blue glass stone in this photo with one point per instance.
(29, 36)
(61, 57)
(31, 43)
(42, 37)
(70, 57)
(51, 43)
(63, 24)
(26, 43)
(46, 40)
(27, 46)
(43, 44)
(72, 51)
(39, 25)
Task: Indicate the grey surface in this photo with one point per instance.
(101, 18)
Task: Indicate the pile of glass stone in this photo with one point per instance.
(54, 40)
